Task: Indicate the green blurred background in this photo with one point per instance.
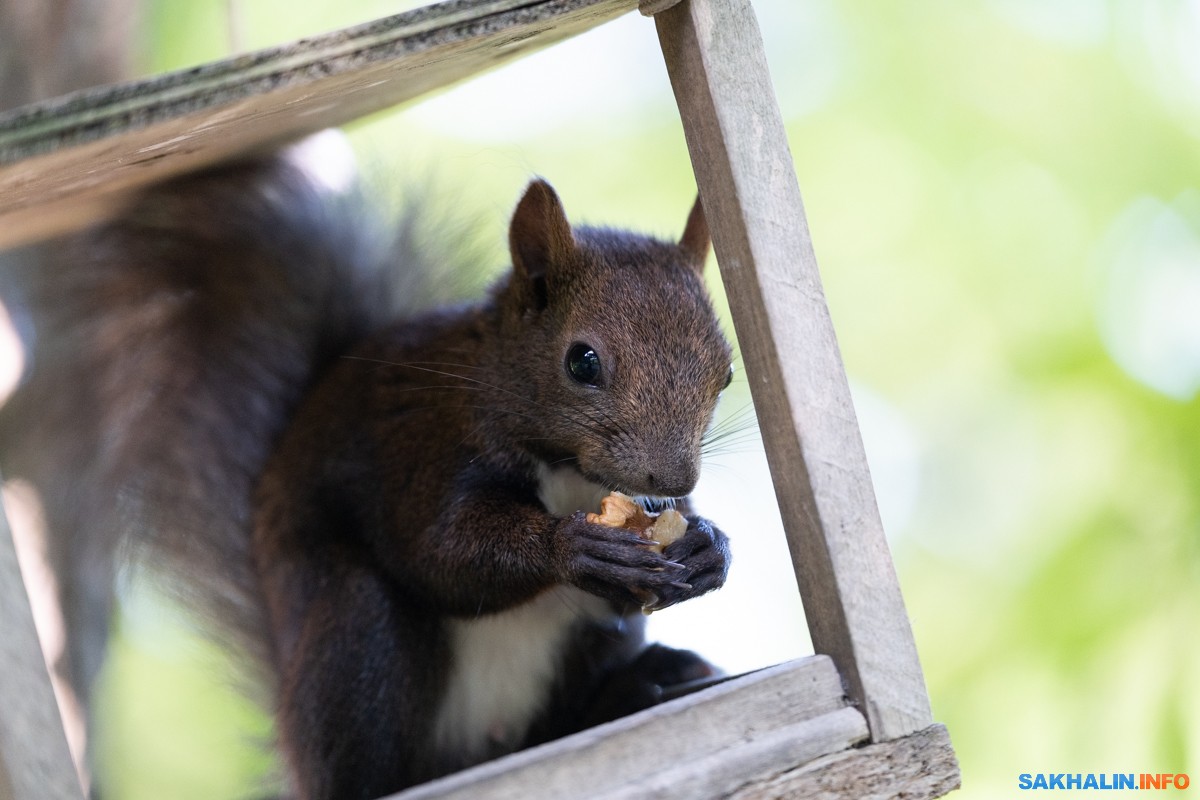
(1003, 199)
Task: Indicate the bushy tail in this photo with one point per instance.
(166, 351)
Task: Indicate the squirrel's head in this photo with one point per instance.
(625, 358)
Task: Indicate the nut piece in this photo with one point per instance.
(668, 528)
(620, 511)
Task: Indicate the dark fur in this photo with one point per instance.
(166, 352)
(396, 487)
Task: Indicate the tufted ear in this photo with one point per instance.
(539, 238)
(695, 241)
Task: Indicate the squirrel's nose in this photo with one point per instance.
(678, 480)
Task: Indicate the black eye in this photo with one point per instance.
(728, 377)
(583, 364)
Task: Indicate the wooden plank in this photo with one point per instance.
(743, 166)
(6, 790)
(35, 763)
(921, 765)
(775, 718)
(67, 162)
(723, 772)
(648, 8)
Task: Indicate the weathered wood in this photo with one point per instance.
(67, 162)
(35, 763)
(722, 772)
(744, 169)
(48, 49)
(6, 790)
(920, 765)
(762, 723)
(648, 8)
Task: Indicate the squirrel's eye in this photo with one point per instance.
(728, 377)
(583, 364)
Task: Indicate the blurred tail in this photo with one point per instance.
(166, 351)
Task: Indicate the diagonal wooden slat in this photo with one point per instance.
(35, 763)
(66, 162)
(747, 181)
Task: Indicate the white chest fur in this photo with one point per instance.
(504, 664)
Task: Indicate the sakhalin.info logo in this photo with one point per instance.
(1104, 780)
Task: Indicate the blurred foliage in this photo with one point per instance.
(983, 180)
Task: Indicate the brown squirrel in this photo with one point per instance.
(382, 503)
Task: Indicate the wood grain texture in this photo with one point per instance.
(6, 789)
(35, 763)
(724, 772)
(747, 182)
(648, 8)
(48, 49)
(920, 765)
(759, 724)
(67, 162)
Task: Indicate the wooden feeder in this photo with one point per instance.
(852, 721)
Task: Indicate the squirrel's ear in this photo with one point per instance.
(695, 240)
(539, 237)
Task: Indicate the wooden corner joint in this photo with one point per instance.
(649, 8)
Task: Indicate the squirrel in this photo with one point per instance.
(381, 502)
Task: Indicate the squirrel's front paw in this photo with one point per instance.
(618, 564)
(704, 552)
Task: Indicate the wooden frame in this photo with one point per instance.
(34, 759)
(748, 185)
(67, 162)
(794, 712)
(782, 731)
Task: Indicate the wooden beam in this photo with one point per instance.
(747, 181)
(35, 763)
(920, 765)
(720, 773)
(67, 162)
(702, 745)
(648, 8)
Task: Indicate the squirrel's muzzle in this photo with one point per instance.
(672, 479)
